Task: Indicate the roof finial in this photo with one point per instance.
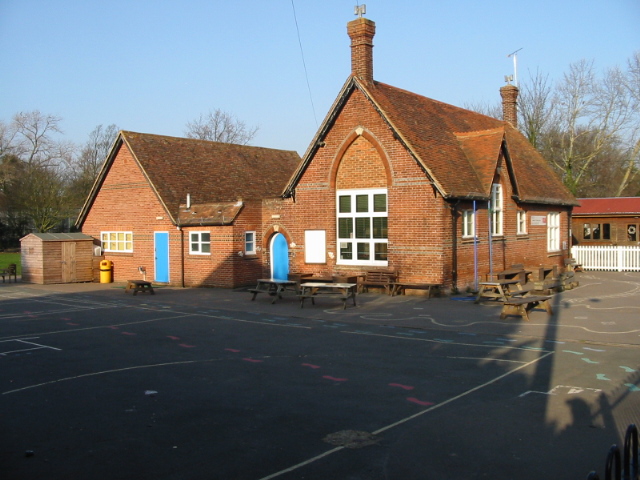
(360, 10)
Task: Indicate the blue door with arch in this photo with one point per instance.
(279, 257)
(161, 257)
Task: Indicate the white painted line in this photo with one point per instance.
(407, 419)
(38, 345)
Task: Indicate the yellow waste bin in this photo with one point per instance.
(105, 271)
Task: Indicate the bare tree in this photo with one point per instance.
(220, 126)
(35, 169)
(88, 164)
(586, 126)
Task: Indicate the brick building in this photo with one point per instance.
(391, 179)
(396, 180)
(186, 211)
(606, 221)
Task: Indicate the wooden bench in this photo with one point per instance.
(378, 278)
(520, 306)
(571, 265)
(344, 291)
(522, 292)
(398, 288)
(11, 271)
(139, 286)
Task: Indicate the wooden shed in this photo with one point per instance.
(57, 258)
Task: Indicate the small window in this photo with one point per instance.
(632, 233)
(200, 243)
(553, 232)
(496, 209)
(586, 231)
(522, 222)
(250, 243)
(117, 241)
(606, 231)
(468, 223)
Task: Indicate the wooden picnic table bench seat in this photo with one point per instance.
(398, 288)
(571, 265)
(523, 291)
(312, 290)
(520, 306)
(139, 286)
(10, 271)
(378, 278)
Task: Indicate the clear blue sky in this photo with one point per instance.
(153, 65)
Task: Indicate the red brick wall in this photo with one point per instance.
(127, 203)
(360, 152)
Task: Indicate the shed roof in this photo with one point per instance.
(608, 206)
(59, 237)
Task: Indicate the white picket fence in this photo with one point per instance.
(608, 258)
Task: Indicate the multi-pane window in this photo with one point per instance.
(249, 243)
(117, 241)
(468, 223)
(362, 227)
(496, 209)
(553, 232)
(200, 243)
(521, 219)
(596, 231)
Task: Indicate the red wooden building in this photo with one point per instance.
(606, 221)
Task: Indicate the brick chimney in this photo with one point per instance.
(509, 94)
(361, 32)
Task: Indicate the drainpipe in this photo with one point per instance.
(490, 215)
(454, 253)
(475, 247)
(181, 255)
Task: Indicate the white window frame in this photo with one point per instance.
(553, 232)
(496, 210)
(468, 224)
(521, 221)
(199, 242)
(250, 243)
(352, 241)
(117, 241)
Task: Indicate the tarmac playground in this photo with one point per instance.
(206, 384)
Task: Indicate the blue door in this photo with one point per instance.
(279, 257)
(161, 262)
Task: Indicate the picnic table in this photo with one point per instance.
(273, 286)
(10, 271)
(497, 290)
(313, 289)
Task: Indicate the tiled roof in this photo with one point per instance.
(209, 213)
(458, 149)
(608, 206)
(461, 147)
(210, 171)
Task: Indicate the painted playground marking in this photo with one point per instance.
(25, 341)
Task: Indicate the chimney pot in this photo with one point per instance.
(361, 32)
